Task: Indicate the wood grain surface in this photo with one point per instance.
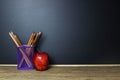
(61, 73)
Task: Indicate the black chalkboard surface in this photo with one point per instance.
(73, 31)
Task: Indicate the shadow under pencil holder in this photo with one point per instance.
(24, 57)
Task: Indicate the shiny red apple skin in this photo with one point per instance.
(41, 61)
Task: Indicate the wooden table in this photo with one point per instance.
(61, 73)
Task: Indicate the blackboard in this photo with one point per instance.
(73, 31)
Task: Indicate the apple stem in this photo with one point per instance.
(38, 50)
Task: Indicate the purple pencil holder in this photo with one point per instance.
(24, 57)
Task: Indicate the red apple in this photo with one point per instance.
(41, 61)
